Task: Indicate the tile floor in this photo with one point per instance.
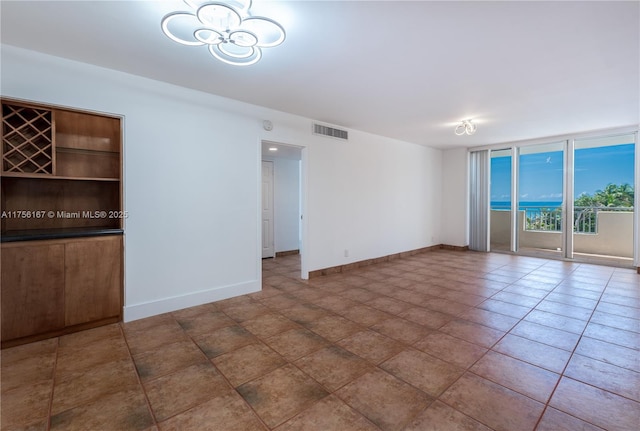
(443, 340)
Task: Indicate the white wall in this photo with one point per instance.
(191, 176)
(372, 197)
(455, 183)
(286, 203)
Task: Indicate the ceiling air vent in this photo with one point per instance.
(319, 129)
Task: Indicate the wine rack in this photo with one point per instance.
(27, 143)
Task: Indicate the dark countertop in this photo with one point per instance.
(40, 234)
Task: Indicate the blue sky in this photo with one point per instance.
(541, 173)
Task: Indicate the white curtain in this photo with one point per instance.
(479, 200)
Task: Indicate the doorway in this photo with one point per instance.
(283, 201)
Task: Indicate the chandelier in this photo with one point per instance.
(227, 29)
(466, 127)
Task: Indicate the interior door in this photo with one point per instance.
(268, 247)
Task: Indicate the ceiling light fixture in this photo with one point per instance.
(228, 29)
(466, 127)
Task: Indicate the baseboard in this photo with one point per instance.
(165, 305)
(59, 332)
(454, 247)
(387, 258)
(287, 253)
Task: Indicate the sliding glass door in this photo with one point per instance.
(540, 184)
(501, 184)
(573, 198)
(603, 219)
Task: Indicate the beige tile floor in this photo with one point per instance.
(442, 340)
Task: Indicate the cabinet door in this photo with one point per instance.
(32, 289)
(93, 279)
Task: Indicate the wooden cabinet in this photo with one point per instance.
(93, 274)
(57, 286)
(32, 289)
(62, 220)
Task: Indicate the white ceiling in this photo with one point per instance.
(402, 69)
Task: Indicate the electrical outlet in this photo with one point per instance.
(346, 252)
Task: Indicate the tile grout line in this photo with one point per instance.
(53, 386)
(564, 369)
(488, 349)
(333, 343)
(464, 370)
(329, 392)
(291, 362)
(233, 388)
(138, 378)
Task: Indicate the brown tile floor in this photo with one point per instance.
(442, 340)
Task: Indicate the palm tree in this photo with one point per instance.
(612, 196)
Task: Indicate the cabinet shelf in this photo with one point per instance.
(55, 177)
(62, 149)
(59, 143)
(60, 203)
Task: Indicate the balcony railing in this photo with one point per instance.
(599, 231)
(542, 219)
(585, 219)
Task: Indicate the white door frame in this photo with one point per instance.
(304, 243)
(271, 246)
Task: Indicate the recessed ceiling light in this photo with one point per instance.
(273, 149)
